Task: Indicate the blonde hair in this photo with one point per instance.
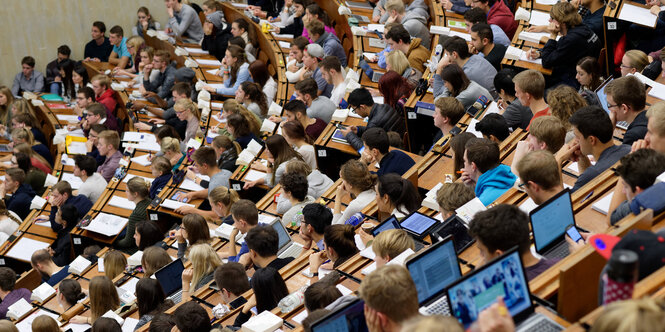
(187, 105)
(564, 101)
(566, 13)
(7, 326)
(102, 79)
(453, 195)
(396, 5)
(541, 168)
(637, 59)
(397, 60)
(204, 262)
(391, 291)
(639, 315)
(23, 134)
(656, 115)
(234, 107)
(171, 144)
(153, 259)
(435, 323)
(45, 323)
(135, 42)
(5, 110)
(532, 82)
(392, 242)
(110, 137)
(223, 195)
(139, 186)
(114, 263)
(103, 296)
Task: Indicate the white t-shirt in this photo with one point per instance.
(338, 93)
(93, 187)
(307, 153)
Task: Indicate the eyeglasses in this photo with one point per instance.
(624, 66)
(611, 105)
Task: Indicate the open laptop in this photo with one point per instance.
(454, 226)
(390, 223)
(170, 277)
(287, 247)
(549, 222)
(503, 277)
(349, 318)
(432, 271)
(602, 97)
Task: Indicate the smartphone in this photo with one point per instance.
(238, 302)
(455, 131)
(573, 233)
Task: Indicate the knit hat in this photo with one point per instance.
(185, 74)
(217, 19)
(315, 50)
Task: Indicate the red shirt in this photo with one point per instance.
(106, 99)
(501, 15)
(538, 114)
(315, 129)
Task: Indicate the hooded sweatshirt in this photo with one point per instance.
(494, 183)
(416, 25)
(562, 55)
(332, 46)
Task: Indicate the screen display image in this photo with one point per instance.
(388, 224)
(418, 223)
(456, 228)
(550, 222)
(282, 233)
(434, 270)
(349, 319)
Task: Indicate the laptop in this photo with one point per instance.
(376, 76)
(602, 97)
(287, 247)
(349, 318)
(170, 277)
(549, 222)
(432, 271)
(454, 226)
(418, 224)
(504, 277)
(390, 223)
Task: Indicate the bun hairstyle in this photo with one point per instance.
(340, 238)
(139, 186)
(400, 191)
(170, 144)
(357, 175)
(71, 290)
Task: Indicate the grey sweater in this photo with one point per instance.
(186, 24)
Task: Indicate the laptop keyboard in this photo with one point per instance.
(542, 324)
(560, 251)
(292, 251)
(176, 297)
(440, 307)
(622, 124)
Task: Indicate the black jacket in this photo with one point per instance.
(562, 56)
(382, 116)
(294, 28)
(20, 201)
(217, 42)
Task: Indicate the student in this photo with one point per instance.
(221, 200)
(319, 295)
(148, 234)
(24, 135)
(390, 297)
(358, 183)
(232, 106)
(216, 35)
(8, 326)
(447, 113)
(483, 167)
(540, 176)
(93, 183)
(296, 110)
(234, 73)
(269, 288)
(451, 196)
(530, 91)
(194, 229)
(317, 106)
(61, 249)
(138, 193)
(294, 24)
(144, 22)
(396, 61)
(8, 294)
(547, 133)
(389, 244)
(258, 71)
(482, 40)
(6, 101)
(153, 259)
(502, 227)
(399, 39)
(633, 61)
(245, 217)
(161, 169)
(21, 192)
(396, 196)
(281, 153)
(80, 78)
(187, 111)
(226, 151)
(51, 274)
(589, 77)
(162, 84)
(36, 160)
(412, 21)
(69, 293)
(241, 28)
(28, 121)
(638, 171)
(294, 62)
(563, 102)
(263, 244)
(394, 88)
(45, 323)
(314, 12)
(451, 81)
(316, 218)
(331, 70)
(170, 148)
(294, 189)
(643, 314)
(577, 41)
(28, 79)
(655, 137)
(204, 262)
(232, 281)
(475, 67)
(115, 263)
(251, 96)
(380, 116)
(493, 127)
(239, 127)
(626, 98)
(475, 16)
(84, 97)
(498, 13)
(104, 95)
(99, 48)
(65, 70)
(318, 183)
(180, 90)
(53, 72)
(593, 136)
(183, 21)
(103, 297)
(330, 43)
(340, 246)
(206, 164)
(294, 134)
(107, 145)
(120, 56)
(376, 144)
(61, 194)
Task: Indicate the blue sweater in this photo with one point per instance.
(494, 183)
(395, 161)
(243, 75)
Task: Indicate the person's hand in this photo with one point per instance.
(57, 79)
(372, 319)
(41, 218)
(575, 3)
(190, 174)
(275, 119)
(365, 237)
(257, 165)
(157, 121)
(472, 49)
(367, 158)
(169, 11)
(376, 19)
(496, 318)
(50, 251)
(537, 28)
(149, 94)
(501, 104)
(144, 24)
(445, 60)
(147, 68)
(72, 127)
(570, 151)
(522, 149)
(186, 197)
(640, 144)
(533, 54)
(315, 261)
(142, 126)
(655, 10)
(345, 131)
(249, 184)
(391, 19)
(187, 276)
(177, 234)
(256, 11)
(207, 28)
(78, 319)
(234, 234)
(553, 28)
(574, 246)
(209, 88)
(467, 179)
(447, 5)
(276, 29)
(293, 68)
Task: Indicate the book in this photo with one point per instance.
(468, 210)
(135, 259)
(603, 205)
(340, 115)
(79, 265)
(19, 309)
(224, 231)
(42, 293)
(266, 321)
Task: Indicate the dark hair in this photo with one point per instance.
(377, 138)
(295, 184)
(71, 290)
(196, 228)
(88, 93)
(394, 87)
(295, 130)
(314, 9)
(398, 33)
(281, 151)
(308, 86)
(86, 163)
(483, 152)
(97, 109)
(246, 210)
(501, 228)
(81, 71)
(318, 216)
(7, 279)
(641, 168)
(259, 72)
(105, 324)
(69, 214)
(68, 67)
(263, 239)
(239, 53)
(504, 81)
(64, 50)
(300, 42)
(205, 155)
(161, 322)
(99, 25)
(239, 123)
(251, 34)
(319, 295)
(238, 41)
(166, 131)
(28, 60)
(255, 94)
(150, 234)
(150, 296)
(232, 277)
(593, 121)
(400, 191)
(484, 31)
(117, 30)
(269, 288)
(191, 317)
(331, 62)
(182, 88)
(360, 96)
(475, 15)
(590, 65)
(457, 44)
(454, 74)
(296, 106)
(494, 124)
(341, 239)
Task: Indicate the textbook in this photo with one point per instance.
(19, 309)
(263, 322)
(79, 265)
(135, 259)
(224, 231)
(42, 293)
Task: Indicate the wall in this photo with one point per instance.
(38, 27)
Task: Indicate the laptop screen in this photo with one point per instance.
(170, 276)
(434, 270)
(283, 234)
(418, 223)
(350, 318)
(602, 97)
(387, 224)
(550, 220)
(480, 289)
(455, 226)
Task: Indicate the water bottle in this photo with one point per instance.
(622, 272)
(355, 219)
(292, 301)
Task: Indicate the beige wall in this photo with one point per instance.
(38, 27)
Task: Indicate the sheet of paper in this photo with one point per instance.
(253, 175)
(130, 176)
(528, 205)
(195, 50)
(284, 44)
(107, 224)
(206, 62)
(539, 18)
(172, 204)
(658, 91)
(73, 180)
(121, 202)
(142, 160)
(67, 117)
(603, 205)
(130, 324)
(24, 248)
(300, 317)
(26, 323)
(190, 185)
(76, 327)
(212, 71)
(472, 128)
(523, 57)
(134, 136)
(283, 36)
(547, 2)
(639, 15)
(77, 148)
(463, 35)
(344, 290)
